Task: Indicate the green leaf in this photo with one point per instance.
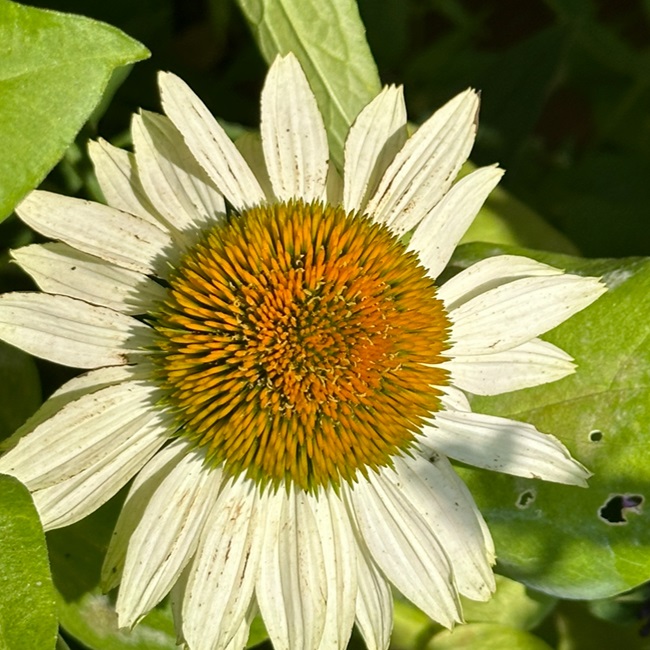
(563, 540)
(329, 40)
(486, 636)
(27, 602)
(53, 70)
(513, 605)
(93, 621)
(20, 388)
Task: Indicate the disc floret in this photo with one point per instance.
(300, 344)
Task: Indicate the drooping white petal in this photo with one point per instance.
(374, 139)
(514, 313)
(58, 268)
(209, 143)
(292, 587)
(80, 434)
(532, 363)
(436, 236)
(69, 331)
(374, 603)
(422, 172)
(222, 575)
(293, 133)
(76, 496)
(147, 481)
(488, 274)
(166, 537)
(238, 641)
(71, 390)
(340, 555)
(118, 179)
(175, 183)
(115, 236)
(405, 549)
(503, 445)
(440, 497)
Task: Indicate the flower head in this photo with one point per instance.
(279, 374)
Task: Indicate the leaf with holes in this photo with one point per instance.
(567, 541)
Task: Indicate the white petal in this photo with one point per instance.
(69, 331)
(166, 537)
(454, 399)
(340, 555)
(374, 139)
(293, 133)
(144, 486)
(437, 493)
(292, 587)
(221, 578)
(76, 497)
(209, 143)
(489, 274)
(71, 390)
(58, 268)
(405, 549)
(374, 603)
(80, 434)
(503, 445)
(516, 312)
(241, 636)
(118, 237)
(118, 179)
(175, 183)
(442, 228)
(424, 169)
(529, 364)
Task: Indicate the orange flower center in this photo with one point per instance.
(300, 344)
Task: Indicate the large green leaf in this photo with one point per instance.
(329, 40)
(567, 541)
(53, 70)
(27, 602)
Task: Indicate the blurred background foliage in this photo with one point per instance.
(565, 109)
(565, 91)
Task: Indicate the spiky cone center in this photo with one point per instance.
(301, 345)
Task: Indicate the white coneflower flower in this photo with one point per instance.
(278, 373)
